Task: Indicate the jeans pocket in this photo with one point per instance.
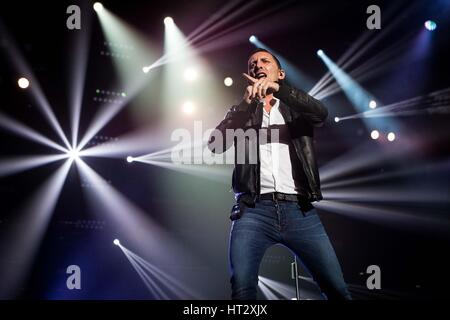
(237, 211)
(306, 208)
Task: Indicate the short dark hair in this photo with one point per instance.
(264, 50)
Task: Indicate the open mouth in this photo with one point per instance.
(261, 75)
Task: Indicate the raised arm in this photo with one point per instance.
(312, 109)
(235, 118)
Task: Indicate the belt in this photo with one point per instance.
(278, 196)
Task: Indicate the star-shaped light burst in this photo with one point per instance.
(73, 154)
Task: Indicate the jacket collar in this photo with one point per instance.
(285, 112)
(283, 108)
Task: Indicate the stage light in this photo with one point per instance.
(116, 242)
(168, 20)
(188, 107)
(123, 94)
(336, 119)
(375, 134)
(228, 81)
(23, 83)
(372, 104)
(252, 39)
(190, 74)
(73, 154)
(430, 25)
(145, 69)
(130, 159)
(355, 93)
(98, 6)
(391, 136)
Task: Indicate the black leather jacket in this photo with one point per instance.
(301, 113)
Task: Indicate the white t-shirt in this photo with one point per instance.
(276, 167)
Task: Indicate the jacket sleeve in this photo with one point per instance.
(312, 109)
(235, 118)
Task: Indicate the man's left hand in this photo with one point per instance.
(261, 87)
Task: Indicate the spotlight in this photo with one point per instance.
(130, 159)
(320, 52)
(391, 136)
(168, 20)
(123, 94)
(336, 119)
(375, 134)
(73, 154)
(23, 83)
(430, 25)
(372, 104)
(252, 39)
(190, 74)
(188, 107)
(116, 242)
(98, 6)
(145, 69)
(228, 81)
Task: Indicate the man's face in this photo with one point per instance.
(262, 64)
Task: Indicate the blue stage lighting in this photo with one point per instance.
(430, 25)
(252, 39)
(391, 136)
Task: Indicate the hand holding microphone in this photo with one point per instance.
(257, 89)
(250, 99)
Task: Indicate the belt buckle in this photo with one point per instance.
(274, 196)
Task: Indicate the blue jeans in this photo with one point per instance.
(271, 222)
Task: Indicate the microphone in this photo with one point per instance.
(258, 102)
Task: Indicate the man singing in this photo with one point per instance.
(274, 194)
